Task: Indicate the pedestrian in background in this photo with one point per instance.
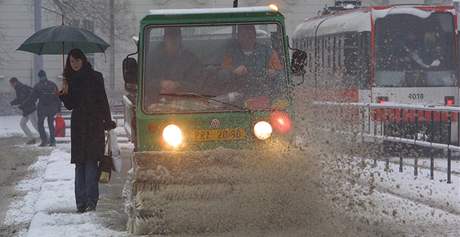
(46, 92)
(84, 93)
(28, 108)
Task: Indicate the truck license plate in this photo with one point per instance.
(219, 134)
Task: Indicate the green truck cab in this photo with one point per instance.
(205, 80)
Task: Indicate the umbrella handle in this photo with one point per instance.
(65, 87)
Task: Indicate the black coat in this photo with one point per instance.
(90, 112)
(22, 94)
(45, 92)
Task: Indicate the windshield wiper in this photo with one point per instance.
(187, 94)
(208, 97)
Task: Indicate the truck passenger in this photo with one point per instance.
(250, 58)
(171, 68)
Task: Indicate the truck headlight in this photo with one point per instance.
(263, 130)
(172, 135)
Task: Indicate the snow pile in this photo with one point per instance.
(376, 202)
(435, 193)
(9, 126)
(49, 204)
(21, 211)
(387, 203)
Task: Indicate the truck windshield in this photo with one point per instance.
(415, 50)
(209, 68)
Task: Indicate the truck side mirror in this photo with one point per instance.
(130, 73)
(299, 59)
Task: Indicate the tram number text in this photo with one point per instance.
(416, 96)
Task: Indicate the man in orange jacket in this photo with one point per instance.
(251, 58)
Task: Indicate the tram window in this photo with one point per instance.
(326, 52)
(334, 53)
(364, 59)
(354, 66)
(416, 46)
(318, 48)
(339, 58)
(318, 52)
(323, 42)
(329, 53)
(350, 52)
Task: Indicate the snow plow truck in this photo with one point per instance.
(206, 89)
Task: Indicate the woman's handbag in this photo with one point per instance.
(106, 165)
(115, 151)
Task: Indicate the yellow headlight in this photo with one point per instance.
(172, 135)
(263, 130)
(273, 7)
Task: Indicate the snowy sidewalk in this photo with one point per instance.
(10, 126)
(49, 203)
(435, 193)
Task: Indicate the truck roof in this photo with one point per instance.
(194, 11)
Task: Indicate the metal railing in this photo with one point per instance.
(432, 127)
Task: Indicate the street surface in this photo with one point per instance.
(305, 195)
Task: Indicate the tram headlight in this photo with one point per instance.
(263, 130)
(172, 135)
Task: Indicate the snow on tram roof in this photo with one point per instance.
(212, 10)
(357, 20)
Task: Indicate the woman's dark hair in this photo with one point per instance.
(76, 54)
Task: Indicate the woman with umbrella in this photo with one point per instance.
(85, 95)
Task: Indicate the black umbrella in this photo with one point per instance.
(61, 39)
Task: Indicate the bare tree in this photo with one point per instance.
(111, 18)
(99, 11)
(3, 50)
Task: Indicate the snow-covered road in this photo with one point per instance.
(398, 205)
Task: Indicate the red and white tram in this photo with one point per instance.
(401, 54)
